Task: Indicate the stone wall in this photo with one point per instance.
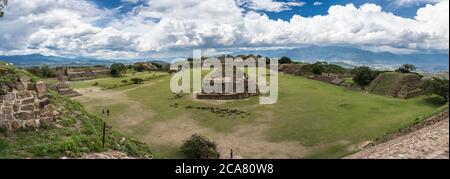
(24, 104)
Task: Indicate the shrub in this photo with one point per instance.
(137, 80)
(437, 86)
(117, 69)
(363, 75)
(406, 68)
(199, 147)
(125, 81)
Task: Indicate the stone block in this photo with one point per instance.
(24, 115)
(9, 96)
(16, 107)
(16, 125)
(27, 108)
(30, 123)
(31, 86)
(47, 120)
(24, 95)
(8, 102)
(9, 117)
(19, 87)
(41, 89)
(7, 110)
(28, 101)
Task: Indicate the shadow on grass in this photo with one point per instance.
(435, 101)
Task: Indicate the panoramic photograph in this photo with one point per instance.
(224, 80)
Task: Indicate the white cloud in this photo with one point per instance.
(75, 27)
(402, 3)
(317, 3)
(270, 5)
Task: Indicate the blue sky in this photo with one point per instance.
(161, 28)
(307, 10)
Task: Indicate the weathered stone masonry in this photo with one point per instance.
(24, 104)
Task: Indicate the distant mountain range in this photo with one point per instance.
(40, 60)
(348, 56)
(345, 56)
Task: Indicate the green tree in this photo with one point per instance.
(363, 75)
(118, 69)
(407, 68)
(285, 60)
(199, 147)
(318, 68)
(438, 87)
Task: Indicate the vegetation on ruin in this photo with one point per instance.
(76, 132)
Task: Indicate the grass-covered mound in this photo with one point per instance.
(75, 132)
(396, 84)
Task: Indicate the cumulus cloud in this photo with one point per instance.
(402, 3)
(317, 3)
(76, 27)
(271, 5)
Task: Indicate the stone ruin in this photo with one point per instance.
(81, 73)
(292, 69)
(63, 89)
(24, 104)
(229, 81)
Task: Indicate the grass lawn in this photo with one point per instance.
(311, 119)
(110, 83)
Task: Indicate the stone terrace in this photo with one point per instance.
(431, 142)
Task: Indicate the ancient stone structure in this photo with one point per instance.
(24, 104)
(63, 89)
(397, 85)
(81, 73)
(232, 94)
(292, 69)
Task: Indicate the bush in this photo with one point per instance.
(117, 69)
(406, 68)
(125, 82)
(363, 75)
(199, 147)
(438, 87)
(318, 68)
(137, 80)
